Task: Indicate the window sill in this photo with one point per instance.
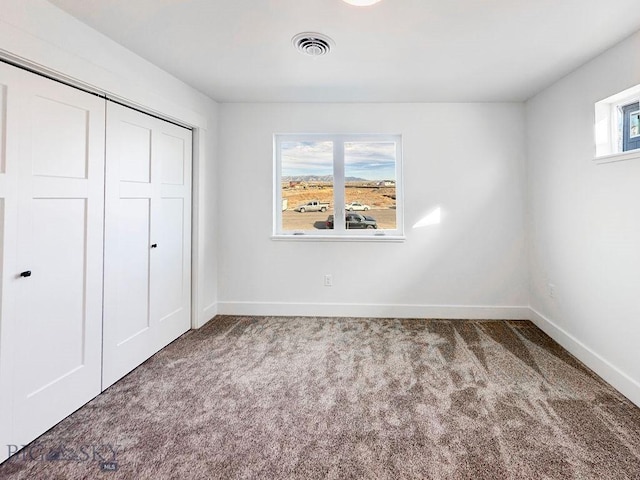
(618, 157)
(338, 238)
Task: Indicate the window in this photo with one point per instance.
(617, 126)
(338, 186)
(630, 127)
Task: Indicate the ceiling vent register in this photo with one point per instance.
(312, 44)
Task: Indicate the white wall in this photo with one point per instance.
(466, 158)
(37, 33)
(585, 222)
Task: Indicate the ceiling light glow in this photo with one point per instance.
(361, 3)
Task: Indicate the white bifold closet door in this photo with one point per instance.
(147, 238)
(52, 199)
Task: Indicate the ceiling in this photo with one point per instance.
(395, 51)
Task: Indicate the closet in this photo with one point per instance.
(147, 238)
(52, 235)
(77, 223)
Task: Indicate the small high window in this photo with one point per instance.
(338, 186)
(617, 125)
(631, 127)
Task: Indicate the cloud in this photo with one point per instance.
(368, 160)
(307, 158)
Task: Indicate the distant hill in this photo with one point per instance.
(318, 178)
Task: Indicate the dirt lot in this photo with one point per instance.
(376, 198)
(291, 220)
(381, 200)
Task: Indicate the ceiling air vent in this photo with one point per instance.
(312, 44)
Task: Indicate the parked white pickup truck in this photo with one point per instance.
(313, 206)
(353, 206)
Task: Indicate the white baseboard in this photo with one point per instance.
(206, 315)
(374, 311)
(610, 373)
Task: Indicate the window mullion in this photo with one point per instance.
(277, 180)
(338, 186)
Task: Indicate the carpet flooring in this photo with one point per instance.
(315, 398)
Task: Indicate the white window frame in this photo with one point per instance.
(608, 127)
(339, 232)
(635, 112)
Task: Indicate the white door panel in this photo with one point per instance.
(133, 268)
(57, 244)
(168, 266)
(67, 143)
(147, 238)
(128, 194)
(50, 355)
(8, 267)
(172, 159)
(135, 152)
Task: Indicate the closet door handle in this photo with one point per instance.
(154, 245)
(26, 274)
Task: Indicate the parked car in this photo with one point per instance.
(356, 206)
(313, 206)
(355, 221)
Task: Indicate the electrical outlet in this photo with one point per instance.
(552, 290)
(328, 280)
